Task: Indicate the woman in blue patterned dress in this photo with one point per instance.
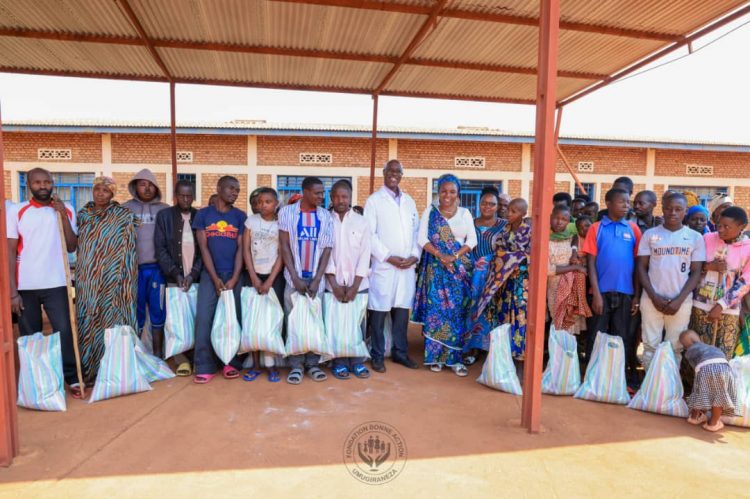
(446, 235)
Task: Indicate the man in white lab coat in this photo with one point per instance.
(393, 218)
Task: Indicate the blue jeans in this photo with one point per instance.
(151, 284)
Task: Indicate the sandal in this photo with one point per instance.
(295, 376)
(339, 372)
(230, 372)
(184, 370)
(274, 376)
(436, 368)
(699, 420)
(202, 379)
(360, 371)
(317, 374)
(718, 426)
(460, 370)
(470, 360)
(251, 375)
(75, 391)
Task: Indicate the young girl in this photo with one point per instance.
(714, 387)
(263, 263)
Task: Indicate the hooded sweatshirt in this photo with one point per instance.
(146, 213)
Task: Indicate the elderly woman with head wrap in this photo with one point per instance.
(718, 203)
(446, 235)
(106, 272)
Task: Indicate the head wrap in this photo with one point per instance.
(717, 201)
(698, 209)
(107, 182)
(692, 198)
(449, 178)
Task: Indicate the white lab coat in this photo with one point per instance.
(395, 228)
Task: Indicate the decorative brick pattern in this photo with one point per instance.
(285, 151)
(23, 146)
(441, 154)
(607, 160)
(726, 164)
(156, 148)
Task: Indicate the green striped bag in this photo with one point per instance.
(118, 370)
(343, 322)
(40, 377)
(305, 329)
(741, 368)
(151, 366)
(605, 374)
(262, 322)
(226, 330)
(563, 374)
(661, 391)
(498, 371)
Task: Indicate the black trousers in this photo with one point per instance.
(55, 303)
(615, 320)
(400, 323)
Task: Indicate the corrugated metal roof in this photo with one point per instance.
(476, 49)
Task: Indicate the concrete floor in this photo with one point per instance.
(280, 440)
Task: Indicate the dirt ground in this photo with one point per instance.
(280, 440)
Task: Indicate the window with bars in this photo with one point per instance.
(704, 193)
(190, 177)
(73, 188)
(590, 193)
(468, 162)
(314, 158)
(288, 185)
(471, 192)
(54, 154)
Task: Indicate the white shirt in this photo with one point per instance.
(350, 256)
(671, 254)
(40, 263)
(264, 242)
(461, 224)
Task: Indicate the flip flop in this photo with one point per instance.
(230, 372)
(717, 427)
(317, 374)
(274, 376)
(251, 375)
(202, 379)
(436, 368)
(295, 376)
(184, 370)
(339, 372)
(360, 371)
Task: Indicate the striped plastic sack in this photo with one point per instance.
(605, 374)
(563, 374)
(226, 330)
(741, 368)
(305, 329)
(179, 328)
(262, 322)
(499, 371)
(40, 377)
(151, 366)
(146, 338)
(661, 391)
(118, 370)
(343, 323)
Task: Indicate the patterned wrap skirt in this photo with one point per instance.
(715, 386)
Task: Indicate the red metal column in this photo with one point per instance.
(374, 149)
(8, 414)
(173, 131)
(544, 184)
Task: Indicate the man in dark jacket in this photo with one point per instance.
(176, 249)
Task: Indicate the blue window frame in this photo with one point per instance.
(590, 191)
(73, 188)
(471, 191)
(704, 193)
(288, 185)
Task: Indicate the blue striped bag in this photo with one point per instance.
(179, 328)
(118, 370)
(661, 391)
(343, 323)
(605, 374)
(498, 371)
(262, 322)
(741, 368)
(226, 330)
(305, 329)
(151, 366)
(40, 378)
(563, 374)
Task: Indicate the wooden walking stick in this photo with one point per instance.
(71, 307)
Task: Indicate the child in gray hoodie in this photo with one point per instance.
(146, 203)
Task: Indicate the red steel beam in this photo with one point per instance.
(128, 11)
(8, 411)
(173, 131)
(489, 17)
(374, 146)
(418, 38)
(544, 184)
(658, 55)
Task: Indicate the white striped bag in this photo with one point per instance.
(563, 374)
(226, 330)
(305, 329)
(118, 370)
(661, 391)
(343, 323)
(179, 328)
(262, 322)
(605, 374)
(40, 378)
(151, 366)
(741, 368)
(498, 371)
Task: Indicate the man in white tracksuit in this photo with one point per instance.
(393, 218)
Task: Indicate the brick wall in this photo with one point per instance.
(22, 146)
(156, 148)
(742, 197)
(208, 187)
(123, 179)
(264, 181)
(363, 188)
(607, 160)
(285, 151)
(441, 154)
(562, 187)
(514, 188)
(8, 189)
(726, 164)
